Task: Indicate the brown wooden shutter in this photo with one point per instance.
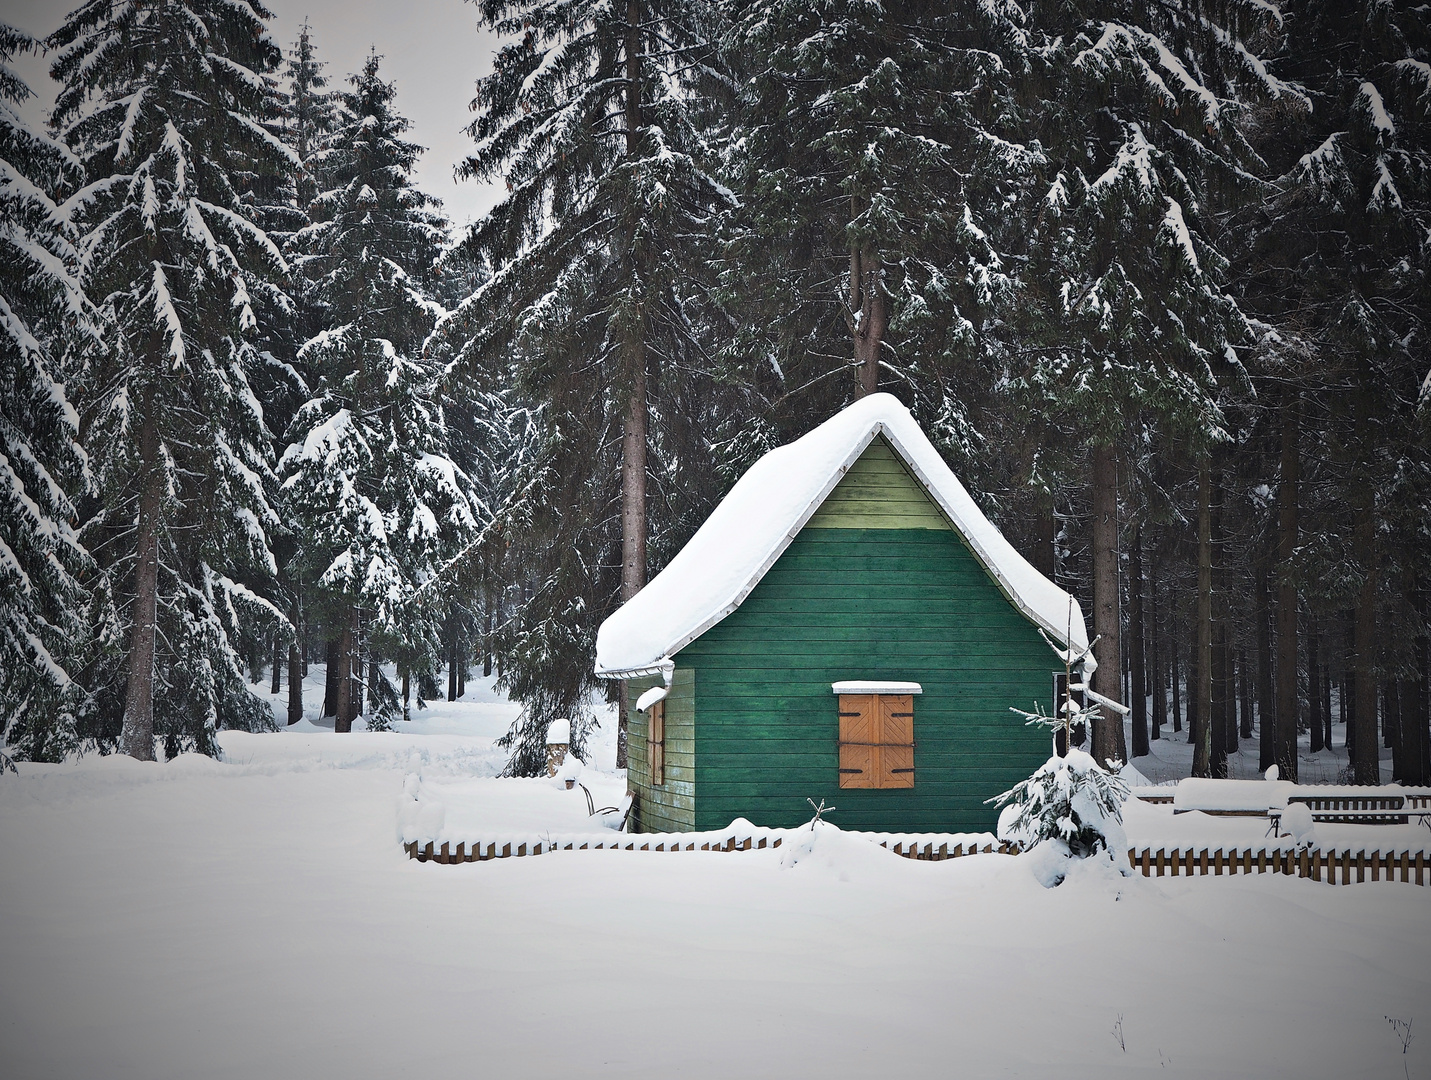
(656, 741)
(895, 755)
(858, 714)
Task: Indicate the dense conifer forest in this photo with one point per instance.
(1153, 276)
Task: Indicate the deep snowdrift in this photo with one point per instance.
(258, 918)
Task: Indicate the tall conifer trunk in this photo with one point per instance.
(1155, 656)
(1266, 707)
(1285, 747)
(869, 314)
(295, 684)
(1218, 630)
(137, 734)
(1137, 643)
(633, 434)
(1108, 742)
(345, 709)
(1365, 756)
(1201, 721)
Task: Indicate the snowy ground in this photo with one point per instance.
(256, 917)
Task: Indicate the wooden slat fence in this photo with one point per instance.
(481, 851)
(1334, 866)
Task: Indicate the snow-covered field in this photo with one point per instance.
(256, 917)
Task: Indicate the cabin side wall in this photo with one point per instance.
(867, 603)
(668, 807)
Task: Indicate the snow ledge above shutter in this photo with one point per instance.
(866, 687)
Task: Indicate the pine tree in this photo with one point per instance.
(43, 621)
(595, 116)
(162, 103)
(310, 113)
(880, 157)
(379, 505)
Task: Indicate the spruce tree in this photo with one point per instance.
(162, 104)
(595, 117)
(43, 310)
(880, 157)
(377, 502)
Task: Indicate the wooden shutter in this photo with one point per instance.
(876, 741)
(656, 741)
(858, 713)
(895, 754)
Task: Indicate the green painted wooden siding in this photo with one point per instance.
(878, 493)
(877, 603)
(668, 807)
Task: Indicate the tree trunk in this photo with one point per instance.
(1244, 695)
(137, 733)
(346, 708)
(1391, 694)
(295, 684)
(1220, 747)
(278, 657)
(1045, 536)
(452, 661)
(1202, 668)
(1175, 677)
(1266, 702)
(1136, 645)
(406, 693)
(1365, 755)
(1286, 745)
(1155, 658)
(1314, 684)
(868, 312)
(1420, 759)
(331, 673)
(1107, 677)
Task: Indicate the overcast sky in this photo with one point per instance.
(432, 49)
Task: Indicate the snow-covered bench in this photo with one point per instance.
(1344, 809)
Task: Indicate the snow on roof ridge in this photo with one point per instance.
(753, 525)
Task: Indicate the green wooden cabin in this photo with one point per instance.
(851, 556)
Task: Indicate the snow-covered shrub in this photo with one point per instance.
(1072, 801)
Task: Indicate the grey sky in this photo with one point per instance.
(432, 49)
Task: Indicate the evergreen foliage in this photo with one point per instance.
(376, 501)
(162, 105)
(44, 623)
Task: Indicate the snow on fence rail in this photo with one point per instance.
(922, 846)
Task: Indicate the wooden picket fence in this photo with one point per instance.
(1336, 867)
(481, 851)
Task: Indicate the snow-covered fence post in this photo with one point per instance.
(558, 743)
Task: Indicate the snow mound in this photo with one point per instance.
(713, 574)
(827, 849)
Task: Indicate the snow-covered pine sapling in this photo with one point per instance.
(1070, 801)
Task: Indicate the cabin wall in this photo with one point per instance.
(668, 807)
(867, 603)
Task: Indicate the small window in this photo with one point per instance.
(876, 740)
(656, 741)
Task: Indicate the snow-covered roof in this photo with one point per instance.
(713, 574)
